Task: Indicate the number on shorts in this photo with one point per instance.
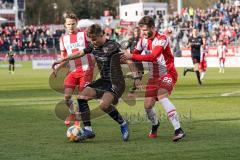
(167, 80)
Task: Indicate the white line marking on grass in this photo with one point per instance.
(230, 93)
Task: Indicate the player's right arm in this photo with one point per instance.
(68, 58)
(73, 56)
(63, 54)
(65, 57)
(55, 70)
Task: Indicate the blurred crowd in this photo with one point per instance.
(6, 4)
(29, 39)
(219, 23)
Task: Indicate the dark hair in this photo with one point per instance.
(146, 20)
(70, 15)
(94, 31)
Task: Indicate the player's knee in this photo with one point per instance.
(104, 105)
(148, 104)
(162, 93)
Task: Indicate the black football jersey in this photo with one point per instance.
(108, 60)
(196, 43)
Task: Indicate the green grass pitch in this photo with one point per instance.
(210, 115)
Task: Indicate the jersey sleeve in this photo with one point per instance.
(62, 48)
(156, 52)
(162, 42)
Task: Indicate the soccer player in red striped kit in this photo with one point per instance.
(163, 75)
(81, 69)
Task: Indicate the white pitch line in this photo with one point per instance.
(230, 93)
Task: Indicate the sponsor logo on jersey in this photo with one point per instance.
(75, 45)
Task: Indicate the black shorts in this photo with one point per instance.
(101, 86)
(195, 60)
(11, 61)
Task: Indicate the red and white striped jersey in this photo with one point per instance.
(158, 55)
(221, 50)
(71, 44)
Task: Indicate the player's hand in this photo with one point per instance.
(126, 55)
(54, 64)
(54, 69)
(55, 72)
(138, 84)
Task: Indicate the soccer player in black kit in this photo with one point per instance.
(110, 86)
(195, 43)
(11, 61)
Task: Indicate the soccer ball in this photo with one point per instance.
(75, 134)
